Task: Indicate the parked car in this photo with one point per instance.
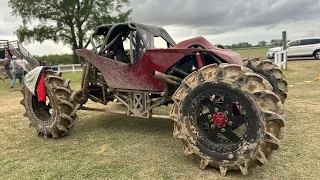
(303, 47)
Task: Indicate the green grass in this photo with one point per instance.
(75, 79)
(253, 52)
(110, 146)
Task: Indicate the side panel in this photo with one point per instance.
(126, 76)
(139, 75)
(165, 58)
(168, 57)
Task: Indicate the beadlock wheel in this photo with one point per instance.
(228, 117)
(55, 117)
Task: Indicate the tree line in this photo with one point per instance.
(56, 59)
(273, 42)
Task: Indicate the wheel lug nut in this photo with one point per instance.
(216, 109)
(209, 116)
(230, 123)
(223, 130)
(226, 112)
(212, 126)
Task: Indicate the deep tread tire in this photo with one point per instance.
(266, 105)
(272, 73)
(62, 117)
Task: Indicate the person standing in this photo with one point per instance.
(17, 71)
(23, 63)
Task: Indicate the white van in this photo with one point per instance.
(304, 47)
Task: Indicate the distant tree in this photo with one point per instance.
(56, 59)
(244, 44)
(66, 21)
(276, 42)
(273, 42)
(262, 43)
(234, 46)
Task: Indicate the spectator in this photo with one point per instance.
(42, 62)
(23, 63)
(17, 71)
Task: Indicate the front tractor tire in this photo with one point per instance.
(272, 73)
(55, 117)
(228, 117)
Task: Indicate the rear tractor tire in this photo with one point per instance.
(228, 117)
(55, 117)
(272, 73)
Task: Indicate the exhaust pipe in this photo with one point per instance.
(167, 78)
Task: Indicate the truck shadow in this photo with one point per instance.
(119, 123)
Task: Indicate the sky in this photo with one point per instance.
(221, 22)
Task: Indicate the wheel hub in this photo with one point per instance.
(220, 120)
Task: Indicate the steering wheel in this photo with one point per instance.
(197, 45)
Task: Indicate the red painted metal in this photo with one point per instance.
(219, 120)
(139, 75)
(126, 76)
(199, 60)
(226, 54)
(199, 39)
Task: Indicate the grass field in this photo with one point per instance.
(111, 146)
(253, 52)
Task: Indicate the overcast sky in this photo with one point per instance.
(221, 22)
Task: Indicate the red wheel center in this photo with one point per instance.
(219, 119)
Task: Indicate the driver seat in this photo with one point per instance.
(119, 52)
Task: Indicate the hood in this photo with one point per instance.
(275, 49)
(226, 54)
(200, 40)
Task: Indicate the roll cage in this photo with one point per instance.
(108, 40)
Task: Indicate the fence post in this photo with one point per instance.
(280, 59)
(285, 59)
(276, 59)
(73, 70)
(284, 43)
